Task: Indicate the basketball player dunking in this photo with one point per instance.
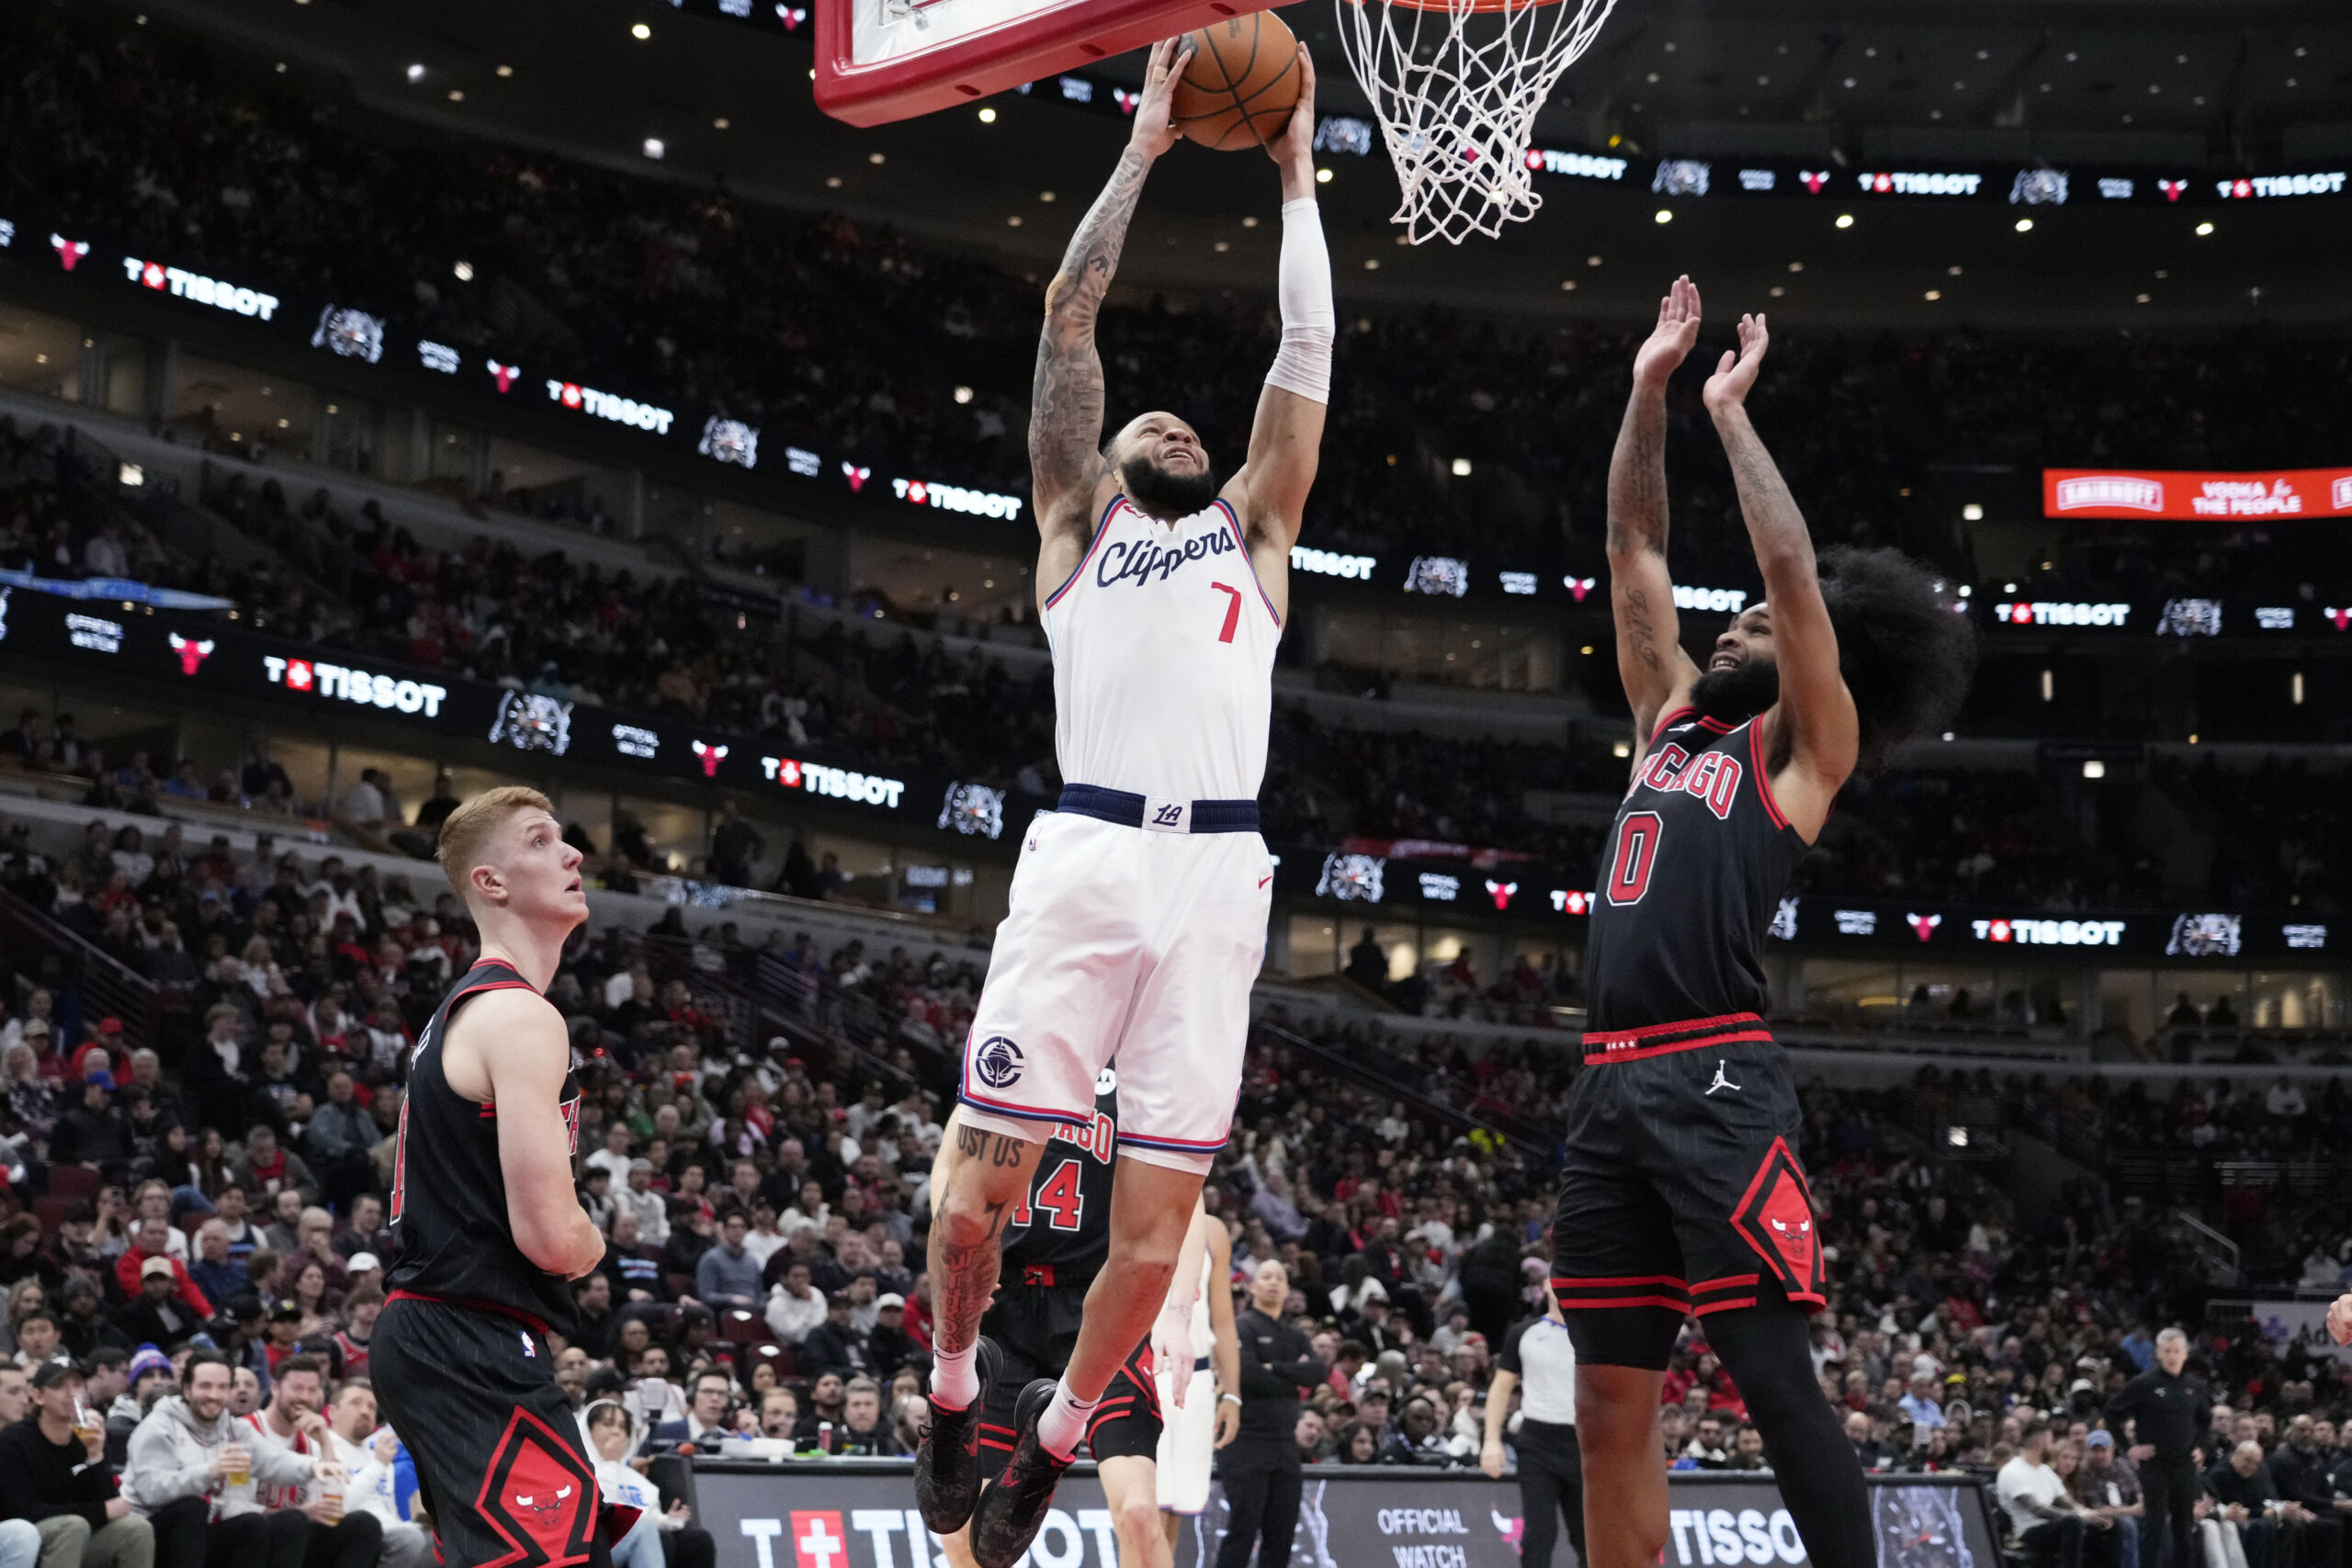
(1138, 916)
(488, 1229)
(1681, 1190)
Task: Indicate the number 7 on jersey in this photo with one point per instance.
(1232, 610)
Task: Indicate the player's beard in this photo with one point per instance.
(1741, 692)
(1158, 491)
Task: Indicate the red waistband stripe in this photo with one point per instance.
(1661, 1039)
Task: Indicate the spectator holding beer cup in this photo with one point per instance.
(291, 1422)
(196, 1474)
(53, 1472)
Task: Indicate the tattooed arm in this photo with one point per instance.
(1066, 461)
(1656, 672)
(1812, 735)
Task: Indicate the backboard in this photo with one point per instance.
(883, 60)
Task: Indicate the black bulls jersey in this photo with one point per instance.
(1060, 1233)
(453, 1240)
(1689, 882)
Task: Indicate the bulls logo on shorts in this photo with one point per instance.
(996, 1062)
(538, 1497)
(1775, 1215)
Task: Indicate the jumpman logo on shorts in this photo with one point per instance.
(1722, 1081)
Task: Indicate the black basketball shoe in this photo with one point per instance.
(948, 1465)
(1011, 1510)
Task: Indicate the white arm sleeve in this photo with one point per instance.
(1303, 364)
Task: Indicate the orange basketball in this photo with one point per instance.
(1242, 83)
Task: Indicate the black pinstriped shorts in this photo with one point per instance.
(1681, 1191)
(1037, 1328)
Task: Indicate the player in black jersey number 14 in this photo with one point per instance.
(1680, 1189)
(489, 1231)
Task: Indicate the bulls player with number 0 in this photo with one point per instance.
(1681, 1188)
(488, 1229)
(1138, 916)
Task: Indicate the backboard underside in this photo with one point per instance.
(880, 60)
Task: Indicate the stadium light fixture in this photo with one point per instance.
(653, 147)
(416, 73)
(1845, 221)
(640, 32)
(2204, 229)
(2025, 225)
(988, 115)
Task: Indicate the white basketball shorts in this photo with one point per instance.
(1187, 1443)
(1126, 947)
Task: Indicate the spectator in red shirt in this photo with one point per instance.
(151, 1238)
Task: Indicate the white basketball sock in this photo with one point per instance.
(954, 1378)
(1063, 1422)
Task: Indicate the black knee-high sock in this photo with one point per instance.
(1766, 1349)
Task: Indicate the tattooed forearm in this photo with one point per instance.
(1066, 406)
(1637, 477)
(1633, 619)
(1775, 524)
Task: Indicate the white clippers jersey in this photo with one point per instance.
(1163, 659)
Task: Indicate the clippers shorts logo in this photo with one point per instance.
(998, 1062)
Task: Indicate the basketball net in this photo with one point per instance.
(1456, 86)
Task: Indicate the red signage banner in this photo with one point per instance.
(2196, 497)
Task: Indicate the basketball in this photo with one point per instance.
(1242, 83)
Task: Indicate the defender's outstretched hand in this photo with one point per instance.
(1155, 131)
(1734, 376)
(1676, 334)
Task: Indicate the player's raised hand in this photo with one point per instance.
(1155, 131)
(1672, 339)
(2340, 1320)
(1295, 148)
(1734, 375)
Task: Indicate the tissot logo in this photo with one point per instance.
(1569, 901)
(203, 290)
(2051, 933)
(836, 783)
(318, 678)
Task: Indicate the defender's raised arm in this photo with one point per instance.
(1656, 672)
(1815, 735)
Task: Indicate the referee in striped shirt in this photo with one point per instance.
(1537, 1353)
